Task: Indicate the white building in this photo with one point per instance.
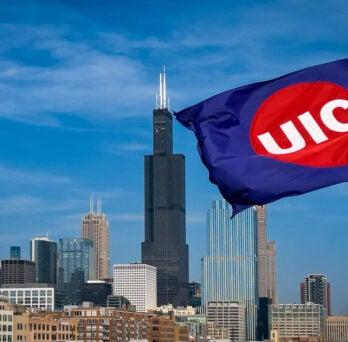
(138, 283)
(42, 298)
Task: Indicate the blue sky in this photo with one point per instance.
(77, 89)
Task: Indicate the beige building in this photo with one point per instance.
(297, 322)
(96, 228)
(265, 258)
(337, 328)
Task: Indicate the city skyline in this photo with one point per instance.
(78, 85)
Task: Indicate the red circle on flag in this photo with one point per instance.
(305, 123)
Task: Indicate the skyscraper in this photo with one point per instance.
(137, 282)
(165, 210)
(230, 268)
(315, 289)
(77, 264)
(96, 228)
(44, 253)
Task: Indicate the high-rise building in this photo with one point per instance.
(138, 283)
(165, 210)
(15, 252)
(76, 259)
(44, 253)
(266, 278)
(230, 268)
(95, 227)
(17, 271)
(315, 289)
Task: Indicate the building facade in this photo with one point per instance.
(138, 283)
(315, 289)
(165, 211)
(337, 328)
(95, 227)
(44, 253)
(36, 296)
(17, 271)
(298, 320)
(229, 315)
(77, 265)
(230, 268)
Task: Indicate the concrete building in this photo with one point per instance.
(229, 315)
(291, 321)
(337, 328)
(165, 210)
(95, 227)
(138, 283)
(230, 268)
(17, 271)
(44, 253)
(40, 296)
(316, 289)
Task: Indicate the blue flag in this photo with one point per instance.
(277, 138)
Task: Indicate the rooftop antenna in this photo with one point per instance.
(99, 204)
(161, 100)
(91, 203)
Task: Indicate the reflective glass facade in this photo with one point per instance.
(230, 268)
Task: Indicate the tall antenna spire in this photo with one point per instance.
(99, 204)
(161, 100)
(91, 203)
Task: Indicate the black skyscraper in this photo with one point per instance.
(165, 224)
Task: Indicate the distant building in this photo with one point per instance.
(17, 271)
(197, 325)
(230, 268)
(96, 228)
(195, 294)
(41, 296)
(77, 265)
(15, 252)
(138, 283)
(316, 289)
(165, 210)
(230, 315)
(117, 302)
(96, 292)
(337, 328)
(44, 253)
(297, 320)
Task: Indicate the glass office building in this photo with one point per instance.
(230, 268)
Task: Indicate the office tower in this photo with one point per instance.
(17, 271)
(77, 264)
(44, 253)
(96, 292)
(96, 228)
(299, 322)
(266, 273)
(137, 282)
(271, 272)
(15, 252)
(230, 268)
(195, 294)
(165, 215)
(230, 315)
(315, 289)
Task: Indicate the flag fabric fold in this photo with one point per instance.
(283, 137)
